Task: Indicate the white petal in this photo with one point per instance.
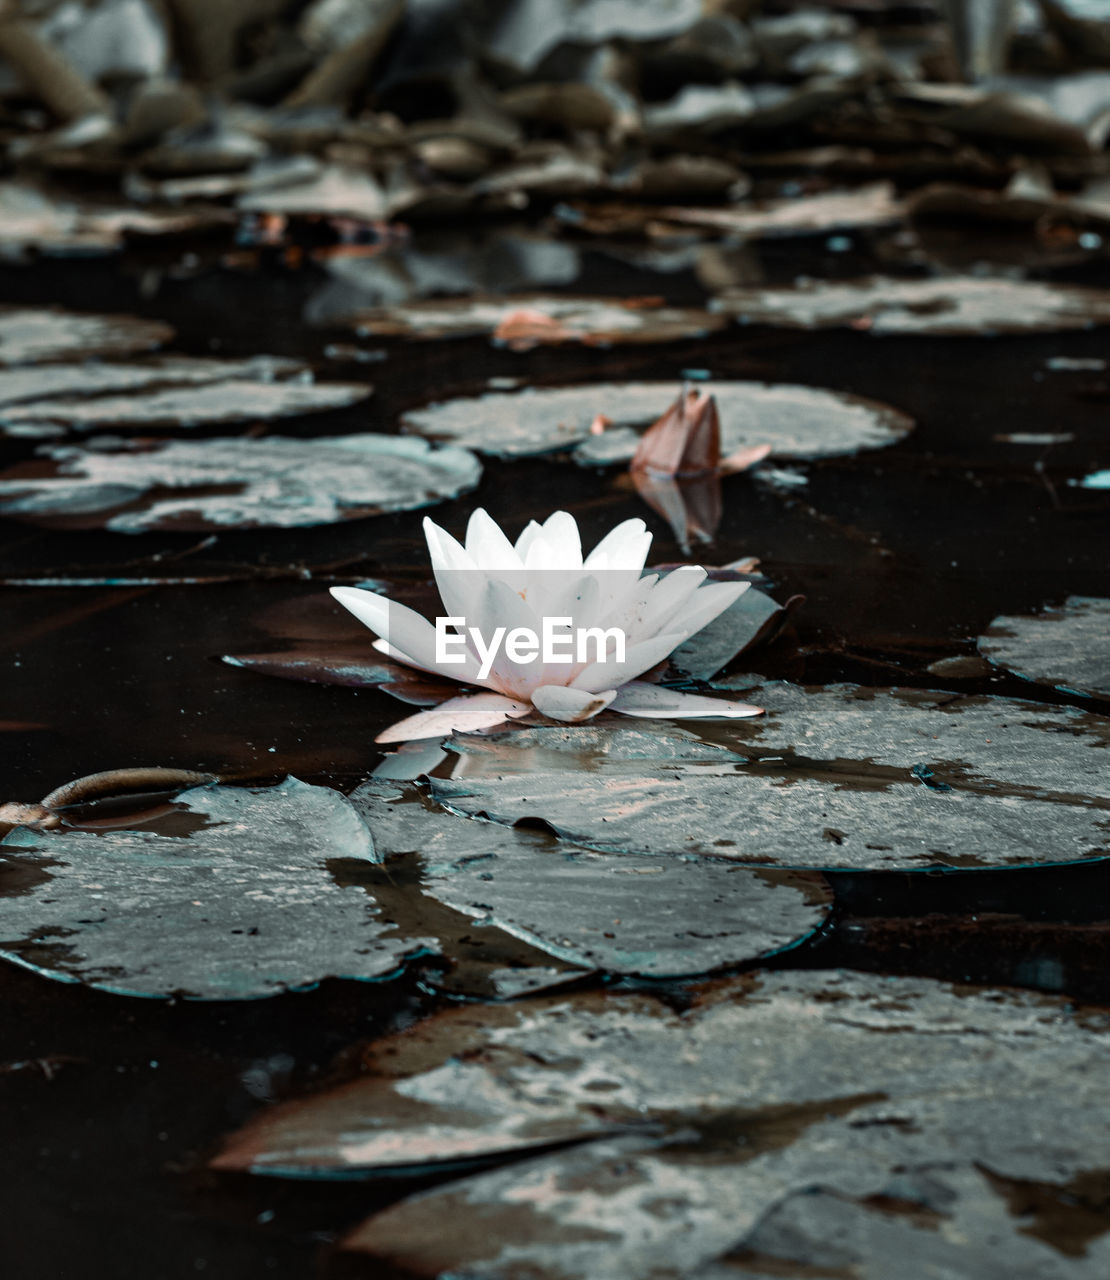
(667, 599)
(561, 532)
(638, 658)
(445, 551)
(487, 545)
(458, 579)
(502, 607)
(621, 547)
(456, 715)
(710, 602)
(531, 530)
(651, 701)
(561, 702)
(402, 628)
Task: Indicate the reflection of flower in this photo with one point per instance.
(494, 584)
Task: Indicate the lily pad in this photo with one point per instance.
(953, 305)
(524, 322)
(837, 777)
(655, 917)
(694, 1129)
(30, 335)
(189, 400)
(1067, 648)
(870, 206)
(750, 621)
(232, 483)
(797, 421)
(240, 904)
(171, 391)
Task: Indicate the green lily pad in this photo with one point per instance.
(242, 903)
(865, 779)
(621, 913)
(680, 1135)
(796, 421)
(32, 335)
(217, 484)
(948, 305)
(1067, 648)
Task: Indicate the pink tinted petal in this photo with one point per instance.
(456, 715)
(654, 702)
(561, 702)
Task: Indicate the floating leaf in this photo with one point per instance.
(750, 621)
(173, 391)
(869, 206)
(829, 778)
(240, 903)
(1068, 648)
(695, 1129)
(554, 320)
(29, 335)
(31, 219)
(619, 913)
(796, 421)
(526, 32)
(948, 305)
(233, 483)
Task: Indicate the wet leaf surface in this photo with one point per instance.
(521, 323)
(1067, 648)
(845, 1085)
(798, 422)
(617, 913)
(31, 335)
(233, 483)
(947, 305)
(168, 391)
(754, 618)
(239, 901)
(842, 777)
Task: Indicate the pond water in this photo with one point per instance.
(112, 646)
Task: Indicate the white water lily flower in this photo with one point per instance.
(492, 589)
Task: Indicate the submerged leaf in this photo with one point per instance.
(233, 483)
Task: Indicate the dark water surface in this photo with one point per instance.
(110, 1106)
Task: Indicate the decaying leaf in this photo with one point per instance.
(796, 421)
(237, 903)
(1067, 648)
(769, 1099)
(130, 487)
